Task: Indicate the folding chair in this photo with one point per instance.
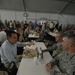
(10, 70)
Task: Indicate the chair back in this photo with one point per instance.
(12, 69)
(1, 64)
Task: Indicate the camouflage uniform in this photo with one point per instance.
(56, 49)
(65, 62)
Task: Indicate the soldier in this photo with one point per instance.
(56, 48)
(66, 60)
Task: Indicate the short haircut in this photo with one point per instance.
(19, 26)
(61, 34)
(10, 32)
(27, 26)
(70, 35)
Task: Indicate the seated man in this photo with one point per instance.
(65, 60)
(26, 33)
(9, 48)
(41, 36)
(56, 48)
(38, 30)
(19, 30)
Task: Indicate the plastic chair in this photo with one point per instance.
(12, 69)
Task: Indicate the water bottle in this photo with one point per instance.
(37, 52)
(41, 53)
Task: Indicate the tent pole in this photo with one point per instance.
(62, 10)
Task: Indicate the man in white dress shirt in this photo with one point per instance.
(9, 48)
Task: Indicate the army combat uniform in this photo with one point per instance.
(56, 49)
(65, 62)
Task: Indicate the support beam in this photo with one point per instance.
(65, 6)
(24, 5)
(64, 0)
(61, 0)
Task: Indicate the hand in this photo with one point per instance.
(43, 50)
(48, 67)
(30, 43)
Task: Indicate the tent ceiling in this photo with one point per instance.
(70, 9)
(47, 6)
(12, 5)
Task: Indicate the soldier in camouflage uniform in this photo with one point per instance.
(65, 60)
(56, 48)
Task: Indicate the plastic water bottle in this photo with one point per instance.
(41, 53)
(37, 52)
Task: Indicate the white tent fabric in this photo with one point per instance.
(47, 6)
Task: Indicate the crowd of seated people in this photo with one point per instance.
(62, 50)
(27, 26)
(56, 48)
(24, 28)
